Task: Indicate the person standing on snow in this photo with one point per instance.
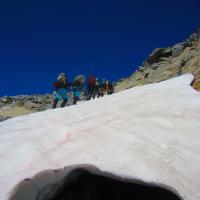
(91, 87)
(110, 88)
(97, 88)
(104, 87)
(60, 85)
(101, 88)
(78, 85)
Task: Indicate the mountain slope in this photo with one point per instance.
(162, 64)
(165, 63)
(148, 133)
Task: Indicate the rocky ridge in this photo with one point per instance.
(165, 63)
(23, 104)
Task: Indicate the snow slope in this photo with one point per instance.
(150, 133)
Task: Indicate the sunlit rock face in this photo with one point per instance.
(166, 63)
(88, 183)
(148, 134)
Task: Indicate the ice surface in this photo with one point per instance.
(150, 133)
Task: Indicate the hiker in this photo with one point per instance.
(97, 88)
(110, 88)
(101, 88)
(78, 87)
(60, 85)
(91, 87)
(104, 87)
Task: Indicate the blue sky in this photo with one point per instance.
(108, 38)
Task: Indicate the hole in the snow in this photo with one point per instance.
(98, 187)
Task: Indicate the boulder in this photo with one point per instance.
(196, 82)
(6, 100)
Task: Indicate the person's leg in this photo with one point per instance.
(57, 96)
(94, 93)
(64, 97)
(75, 100)
(77, 93)
(99, 94)
(64, 103)
(102, 92)
(89, 94)
(55, 103)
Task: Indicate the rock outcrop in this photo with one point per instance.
(165, 63)
(196, 82)
(23, 104)
(13, 106)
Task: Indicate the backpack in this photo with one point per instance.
(79, 80)
(91, 81)
(60, 84)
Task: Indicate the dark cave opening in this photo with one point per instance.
(96, 187)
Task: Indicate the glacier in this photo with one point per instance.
(148, 133)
